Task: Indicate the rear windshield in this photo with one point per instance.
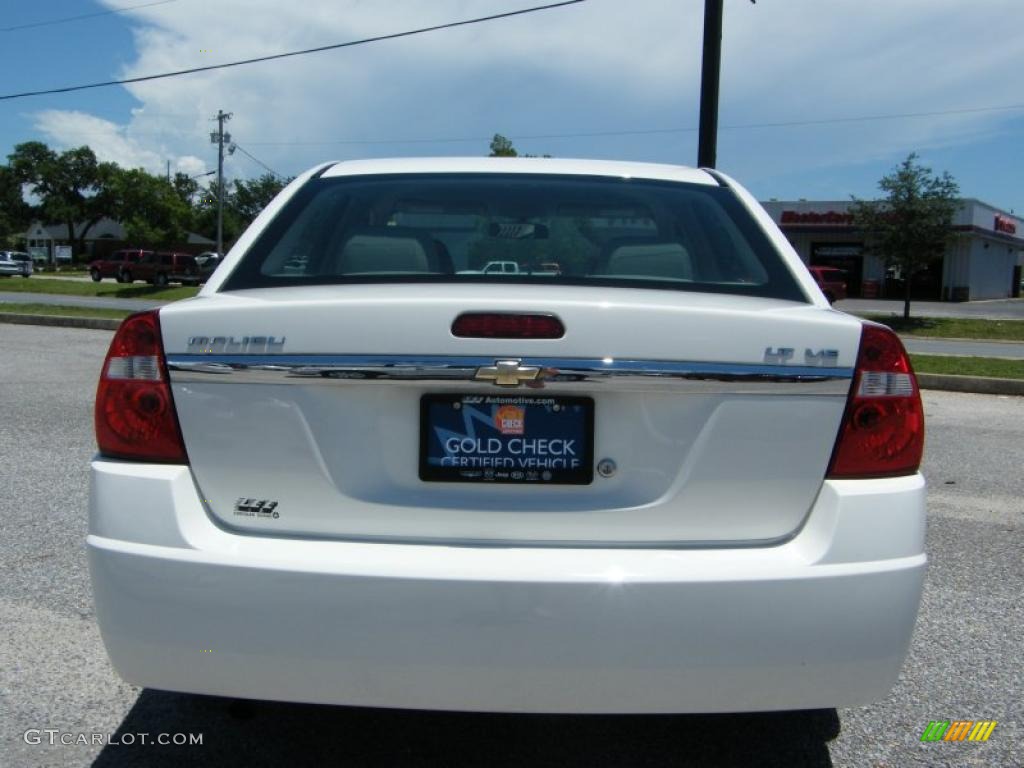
(516, 228)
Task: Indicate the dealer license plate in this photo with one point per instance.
(507, 439)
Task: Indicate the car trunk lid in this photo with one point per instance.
(301, 411)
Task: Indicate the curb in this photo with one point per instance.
(62, 321)
(939, 381)
(977, 384)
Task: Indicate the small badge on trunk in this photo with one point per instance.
(256, 508)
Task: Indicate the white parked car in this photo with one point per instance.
(15, 263)
(495, 268)
(666, 478)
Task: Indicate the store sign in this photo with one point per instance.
(1005, 224)
(836, 250)
(815, 218)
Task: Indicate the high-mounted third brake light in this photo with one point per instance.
(508, 325)
(134, 415)
(882, 433)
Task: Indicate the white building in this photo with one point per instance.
(103, 237)
(41, 240)
(983, 261)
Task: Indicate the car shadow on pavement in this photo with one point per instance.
(266, 733)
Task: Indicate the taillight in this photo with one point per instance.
(882, 433)
(508, 325)
(134, 415)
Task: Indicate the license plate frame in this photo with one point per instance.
(565, 422)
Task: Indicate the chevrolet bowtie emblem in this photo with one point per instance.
(507, 373)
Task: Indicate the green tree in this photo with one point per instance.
(72, 186)
(243, 201)
(205, 213)
(15, 213)
(253, 195)
(186, 188)
(100, 203)
(149, 208)
(912, 225)
(502, 147)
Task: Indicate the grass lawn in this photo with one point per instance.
(954, 327)
(56, 309)
(994, 367)
(107, 289)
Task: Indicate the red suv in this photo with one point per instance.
(119, 265)
(163, 268)
(832, 282)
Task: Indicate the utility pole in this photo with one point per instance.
(711, 70)
(218, 137)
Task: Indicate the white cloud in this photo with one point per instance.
(129, 146)
(601, 65)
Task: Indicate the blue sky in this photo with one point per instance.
(600, 66)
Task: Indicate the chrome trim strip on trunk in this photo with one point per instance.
(560, 373)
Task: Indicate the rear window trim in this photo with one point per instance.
(241, 279)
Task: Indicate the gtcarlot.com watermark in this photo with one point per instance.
(55, 736)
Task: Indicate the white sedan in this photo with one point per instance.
(15, 263)
(666, 477)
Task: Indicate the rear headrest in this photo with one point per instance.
(385, 252)
(649, 259)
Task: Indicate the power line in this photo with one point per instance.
(66, 19)
(256, 160)
(576, 135)
(868, 118)
(642, 132)
(335, 46)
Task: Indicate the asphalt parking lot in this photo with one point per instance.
(964, 664)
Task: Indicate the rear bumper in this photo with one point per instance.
(821, 621)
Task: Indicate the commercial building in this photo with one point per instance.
(982, 262)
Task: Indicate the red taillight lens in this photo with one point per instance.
(882, 433)
(135, 416)
(501, 325)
